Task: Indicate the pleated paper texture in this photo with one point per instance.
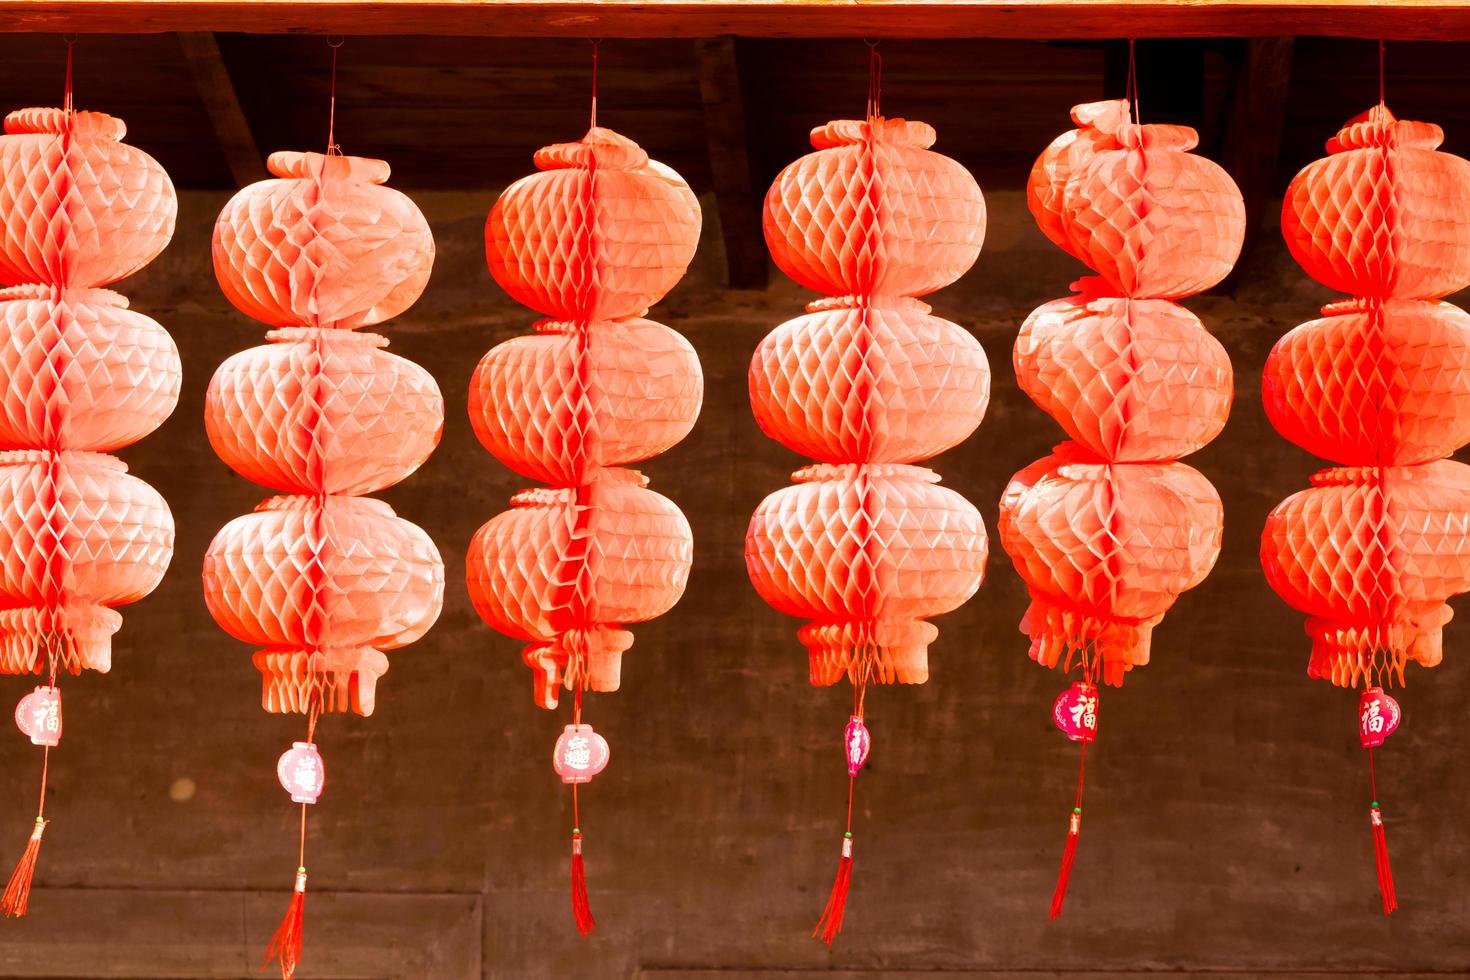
(1380, 384)
(1110, 529)
(593, 239)
(866, 546)
(323, 580)
(83, 375)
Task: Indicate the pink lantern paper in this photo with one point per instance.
(302, 773)
(321, 580)
(1111, 528)
(580, 753)
(1381, 384)
(595, 237)
(83, 375)
(866, 546)
(38, 716)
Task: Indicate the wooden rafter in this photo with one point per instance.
(231, 129)
(727, 136)
(1392, 19)
(1252, 149)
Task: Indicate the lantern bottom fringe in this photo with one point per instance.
(285, 944)
(18, 890)
(830, 924)
(1380, 857)
(293, 681)
(1062, 636)
(581, 909)
(590, 658)
(1069, 856)
(1348, 655)
(78, 635)
(881, 651)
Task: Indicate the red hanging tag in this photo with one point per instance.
(1075, 712)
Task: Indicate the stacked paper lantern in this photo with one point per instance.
(866, 546)
(1111, 528)
(321, 579)
(592, 240)
(1380, 384)
(83, 375)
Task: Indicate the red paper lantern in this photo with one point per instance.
(1381, 383)
(321, 580)
(866, 546)
(83, 375)
(594, 238)
(1110, 529)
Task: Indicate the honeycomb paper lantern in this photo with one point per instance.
(1381, 384)
(595, 237)
(867, 546)
(83, 375)
(322, 580)
(1111, 528)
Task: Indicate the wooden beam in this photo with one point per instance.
(1252, 149)
(231, 129)
(1391, 19)
(727, 136)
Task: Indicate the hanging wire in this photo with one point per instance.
(875, 80)
(68, 103)
(1132, 92)
(1381, 47)
(332, 147)
(596, 47)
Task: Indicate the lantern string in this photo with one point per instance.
(1131, 94)
(68, 103)
(596, 46)
(332, 147)
(875, 81)
(581, 908)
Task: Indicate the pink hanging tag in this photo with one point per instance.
(580, 754)
(857, 742)
(38, 715)
(1075, 712)
(302, 772)
(1378, 717)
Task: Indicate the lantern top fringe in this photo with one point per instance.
(53, 121)
(1378, 127)
(603, 148)
(305, 164)
(894, 132)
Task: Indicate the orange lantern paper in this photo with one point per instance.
(595, 237)
(1111, 528)
(867, 546)
(1381, 383)
(321, 579)
(83, 375)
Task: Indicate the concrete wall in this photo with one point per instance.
(1226, 820)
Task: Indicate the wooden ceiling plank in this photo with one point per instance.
(727, 135)
(1390, 19)
(231, 128)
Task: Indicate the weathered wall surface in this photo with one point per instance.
(1226, 820)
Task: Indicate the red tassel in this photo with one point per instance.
(286, 943)
(581, 910)
(1380, 855)
(1069, 854)
(830, 924)
(18, 891)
